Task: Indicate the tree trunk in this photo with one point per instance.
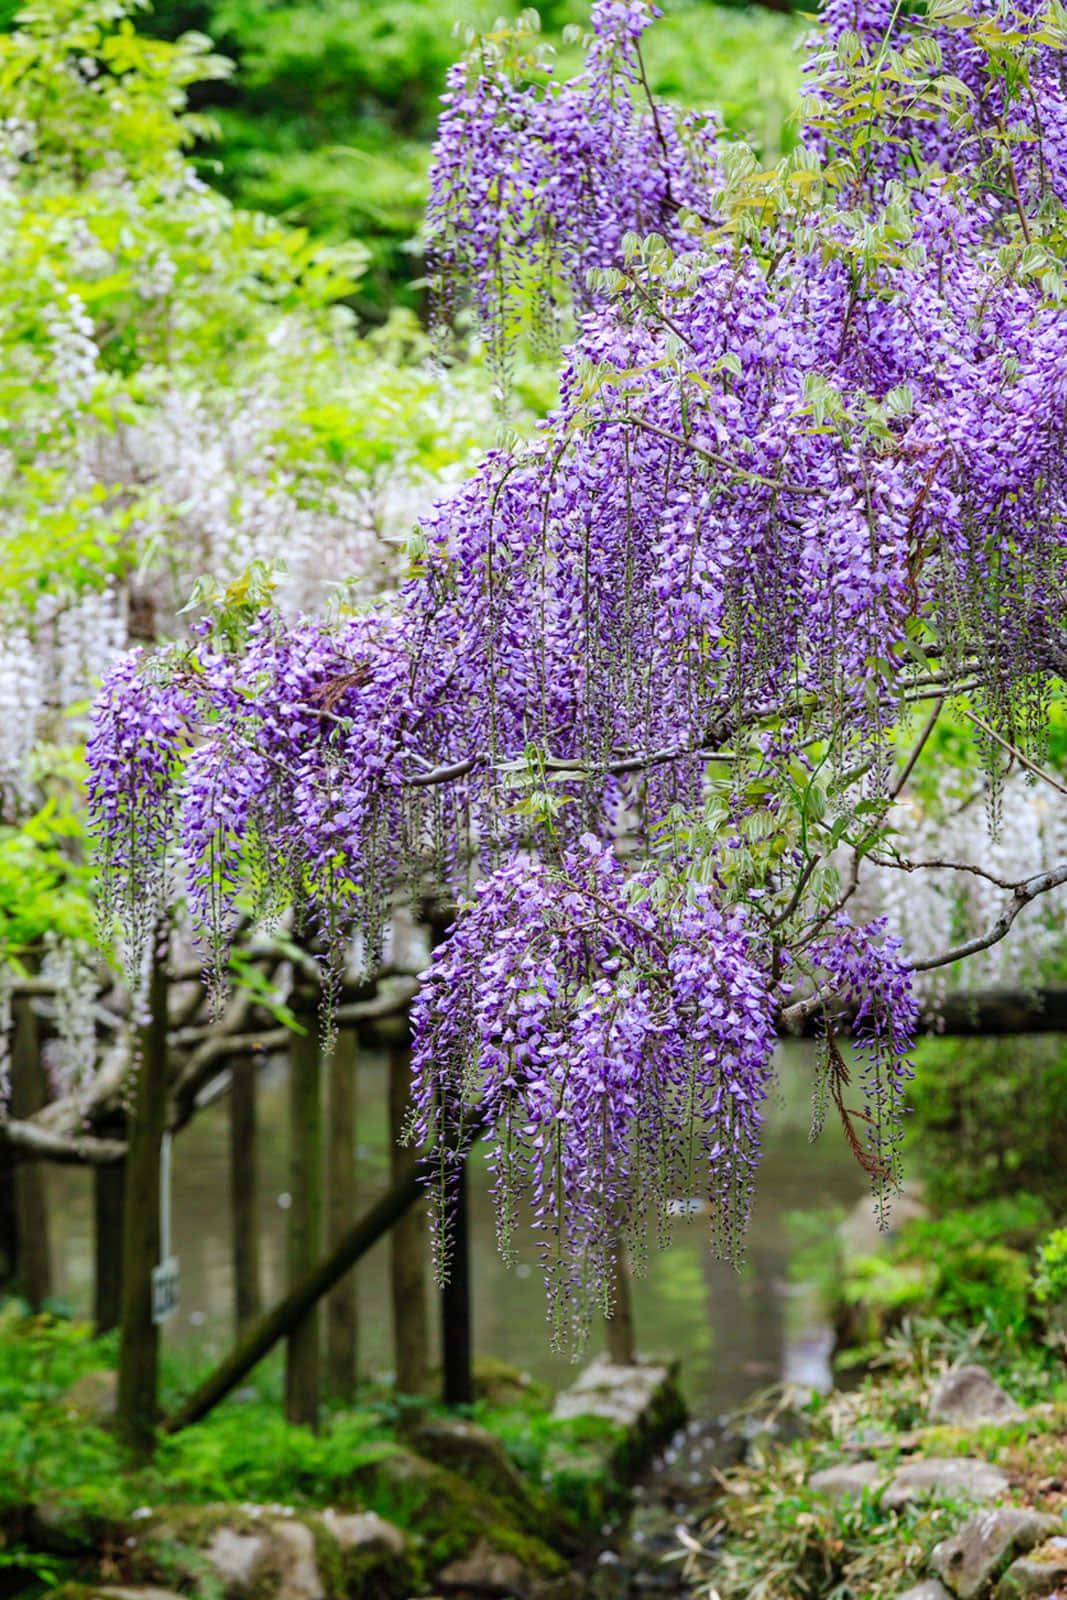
(458, 1385)
(408, 1252)
(302, 1369)
(342, 1308)
(28, 1094)
(138, 1385)
(620, 1325)
(244, 1192)
(108, 1184)
(288, 1313)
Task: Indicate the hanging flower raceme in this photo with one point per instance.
(863, 970)
(138, 738)
(614, 1044)
(534, 178)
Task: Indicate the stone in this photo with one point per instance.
(618, 1394)
(968, 1397)
(123, 1591)
(503, 1385)
(1039, 1573)
(641, 1401)
(361, 1530)
(299, 1578)
(626, 1396)
(851, 1478)
(62, 1526)
(478, 1457)
(374, 1557)
(931, 1589)
(972, 1559)
(954, 1478)
(239, 1559)
(488, 1570)
(860, 1234)
(94, 1396)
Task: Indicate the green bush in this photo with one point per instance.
(970, 1266)
(990, 1118)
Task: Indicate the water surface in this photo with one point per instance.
(734, 1331)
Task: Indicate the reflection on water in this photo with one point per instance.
(735, 1331)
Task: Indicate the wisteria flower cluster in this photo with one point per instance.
(805, 474)
(618, 1051)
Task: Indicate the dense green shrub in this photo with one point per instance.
(970, 1266)
(990, 1118)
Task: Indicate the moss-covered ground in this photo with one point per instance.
(71, 1508)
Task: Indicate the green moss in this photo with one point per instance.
(328, 1560)
(446, 1515)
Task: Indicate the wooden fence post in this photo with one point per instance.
(302, 1364)
(28, 1094)
(138, 1383)
(244, 1192)
(108, 1185)
(407, 1259)
(342, 1307)
(620, 1325)
(456, 1351)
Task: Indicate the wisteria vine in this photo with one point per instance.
(650, 675)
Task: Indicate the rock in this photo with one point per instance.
(373, 1554)
(504, 1385)
(968, 1397)
(860, 1234)
(1038, 1573)
(240, 1560)
(955, 1478)
(478, 1457)
(487, 1569)
(93, 1396)
(932, 1589)
(642, 1399)
(850, 1478)
(447, 1516)
(974, 1557)
(122, 1591)
(300, 1578)
(61, 1525)
(623, 1395)
(362, 1530)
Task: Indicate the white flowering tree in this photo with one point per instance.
(188, 407)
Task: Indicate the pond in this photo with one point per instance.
(735, 1331)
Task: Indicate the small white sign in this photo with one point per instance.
(166, 1289)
